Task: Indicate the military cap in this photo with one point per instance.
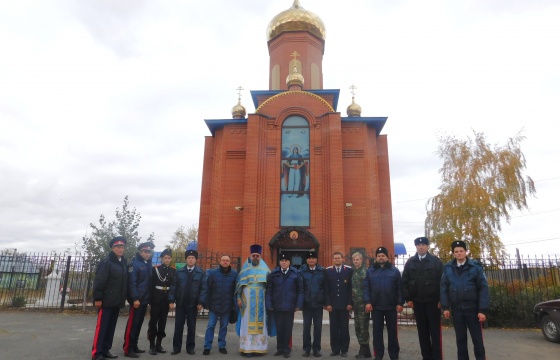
(458, 243)
(117, 240)
(148, 245)
(422, 240)
(383, 250)
(166, 252)
(191, 253)
(283, 256)
(311, 254)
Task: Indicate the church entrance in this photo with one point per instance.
(295, 242)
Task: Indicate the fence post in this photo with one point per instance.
(65, 283)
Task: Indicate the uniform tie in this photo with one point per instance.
(284, 271)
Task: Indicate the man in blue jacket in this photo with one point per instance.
(383, 298)
(313, 276)
(464, 290)
(221, 286)
(109, 295)
(139, 288)
(188, 296)
(284, 296)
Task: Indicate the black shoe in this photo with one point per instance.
(317, 354)
(175, 352)
(334, 353)
(223, 351)
(160, 350)
(306, 354)
(108, 355)
(139, 351)
(287, 355)
(278, 353)
(100, 357)
(152, 350)
(132, 355)
(206, 352)
(190, 351)
(344, 354)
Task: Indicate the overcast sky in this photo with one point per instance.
(103, 99)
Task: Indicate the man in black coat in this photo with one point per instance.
(188, 295)
(420, 286)
(284, 296)
(338, 302)
(109, 295)
(139, 288)
(313, 276)
(162, 277)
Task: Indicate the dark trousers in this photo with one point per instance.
(428, 323)
(284, 326)
(133, 326)
(390, 318)
(104, 331)
(184, 314)
(463, 319)
(340, 332)
(159, 309)
(314, 316)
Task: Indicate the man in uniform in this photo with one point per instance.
(383, 297)
(221, 286)
(361, 318)
(464, 290)
(284, 296)
(139, 288)
(188, 296)
(313, 276)
(109, 295)
(338, 302)
(250, 290)
(162, 278)
(420, 286)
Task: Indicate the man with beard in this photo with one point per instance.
(139, 288)
(361, 318)
(188, 296)
(383, 297)
(250, 290)
(162, 278)
(221, 286)
(313, 276)
(109, 295)
(420, 286)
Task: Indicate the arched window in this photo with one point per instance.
(294, 175)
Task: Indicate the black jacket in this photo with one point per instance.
(221, 286)
(284, 292)
(313, 286)
(420, 279)
(338, 287)
(187, 292)
(110, 284)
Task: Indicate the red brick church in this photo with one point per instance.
(296, 175)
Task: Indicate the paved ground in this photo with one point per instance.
(40, 335)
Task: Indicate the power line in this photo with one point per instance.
(530, 242)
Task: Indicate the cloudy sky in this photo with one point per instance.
(103, 99)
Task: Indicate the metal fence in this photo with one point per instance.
(65, 282)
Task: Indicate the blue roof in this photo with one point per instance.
(400, 249)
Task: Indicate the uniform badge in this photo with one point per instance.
(130, 269)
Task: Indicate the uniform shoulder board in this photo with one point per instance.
(330, 267)
(349, 267)
(130, 268)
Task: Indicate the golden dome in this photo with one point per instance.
(354, 110)
(294, 78)
(296, 18)
(238, 111)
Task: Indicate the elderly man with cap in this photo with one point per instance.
(221, 286)
(361, 318)
(383, 298)
(464, 290)
(313, 276)
(420, 285)
(250, 289)
(139, 288)
(162, 278)
(284, 296)
(109, 295)
(188, 296)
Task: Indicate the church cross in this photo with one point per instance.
(295, 55)
(239, 89)
(353, 90)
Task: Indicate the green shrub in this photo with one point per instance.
(19, 301)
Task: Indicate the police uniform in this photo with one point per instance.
(338, 294)
(162, 278)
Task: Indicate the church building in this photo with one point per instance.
(296, 175)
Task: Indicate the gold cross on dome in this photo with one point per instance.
(295, 55)
(239, 89)
(353, 89)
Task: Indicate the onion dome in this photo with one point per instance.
(354, 110)
(296, 18)
(238, 111)
(294, 78)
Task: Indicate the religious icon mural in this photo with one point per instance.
(294, 177)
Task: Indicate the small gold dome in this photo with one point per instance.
(294, 78)
(238, 111)
(296, 18)
(354, 110)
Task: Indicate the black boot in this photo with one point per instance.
(361, 354)
(153, 347)
(367, 351)
(159, 349)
